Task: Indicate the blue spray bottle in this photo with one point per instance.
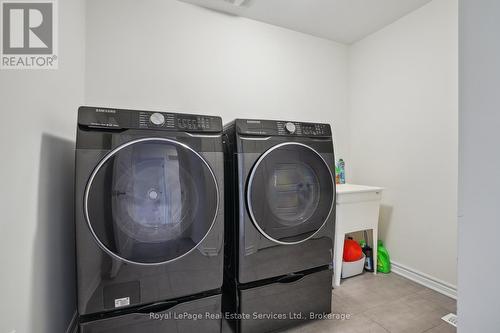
(341, 166)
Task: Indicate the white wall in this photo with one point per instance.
(37, 129)
(169, 55)
(404, 134)
(479, 188)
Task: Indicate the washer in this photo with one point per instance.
(279, 218)
(149, 217)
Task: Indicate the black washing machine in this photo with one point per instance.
(149, 221)
(280, 213)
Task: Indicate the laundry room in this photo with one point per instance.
(249, 166)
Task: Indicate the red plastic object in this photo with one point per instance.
(352, 250)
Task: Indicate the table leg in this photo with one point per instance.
(375, 247)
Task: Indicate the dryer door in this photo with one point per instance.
(290, 193)
(151, 201)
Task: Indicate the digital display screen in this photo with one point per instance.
(193, 122)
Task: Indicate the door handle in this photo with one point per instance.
(160, 306)
(291, 278)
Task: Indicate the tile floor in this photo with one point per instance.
(385, 303)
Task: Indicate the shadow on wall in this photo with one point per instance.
(53, 276)
(384, 221)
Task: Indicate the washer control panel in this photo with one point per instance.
(282, 128)
(125, 119)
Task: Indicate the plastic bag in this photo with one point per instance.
(383, 259)
(352, 250)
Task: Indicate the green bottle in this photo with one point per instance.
(337, 174)
(383, 259)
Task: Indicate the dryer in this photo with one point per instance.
(149, 219)
(279, 220)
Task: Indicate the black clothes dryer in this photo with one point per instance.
(279, 221)
(149, 220)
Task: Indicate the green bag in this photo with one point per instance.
(383, 259)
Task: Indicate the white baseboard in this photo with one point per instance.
(425, 280)
(73, 324)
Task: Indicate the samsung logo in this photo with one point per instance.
(105, 111)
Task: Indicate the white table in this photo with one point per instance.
(357, 210)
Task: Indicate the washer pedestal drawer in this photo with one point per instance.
(295, 298)
(168, 320)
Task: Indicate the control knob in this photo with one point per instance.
(290, 127)
(157, 119)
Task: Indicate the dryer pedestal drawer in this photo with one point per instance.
(168, 320)
(293, 298)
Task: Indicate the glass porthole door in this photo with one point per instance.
(290, 193)
(151, 201)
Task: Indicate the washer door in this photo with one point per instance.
(290, 193)
(151, 201)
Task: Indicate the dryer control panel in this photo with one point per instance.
(108, 118)
(282, 128)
